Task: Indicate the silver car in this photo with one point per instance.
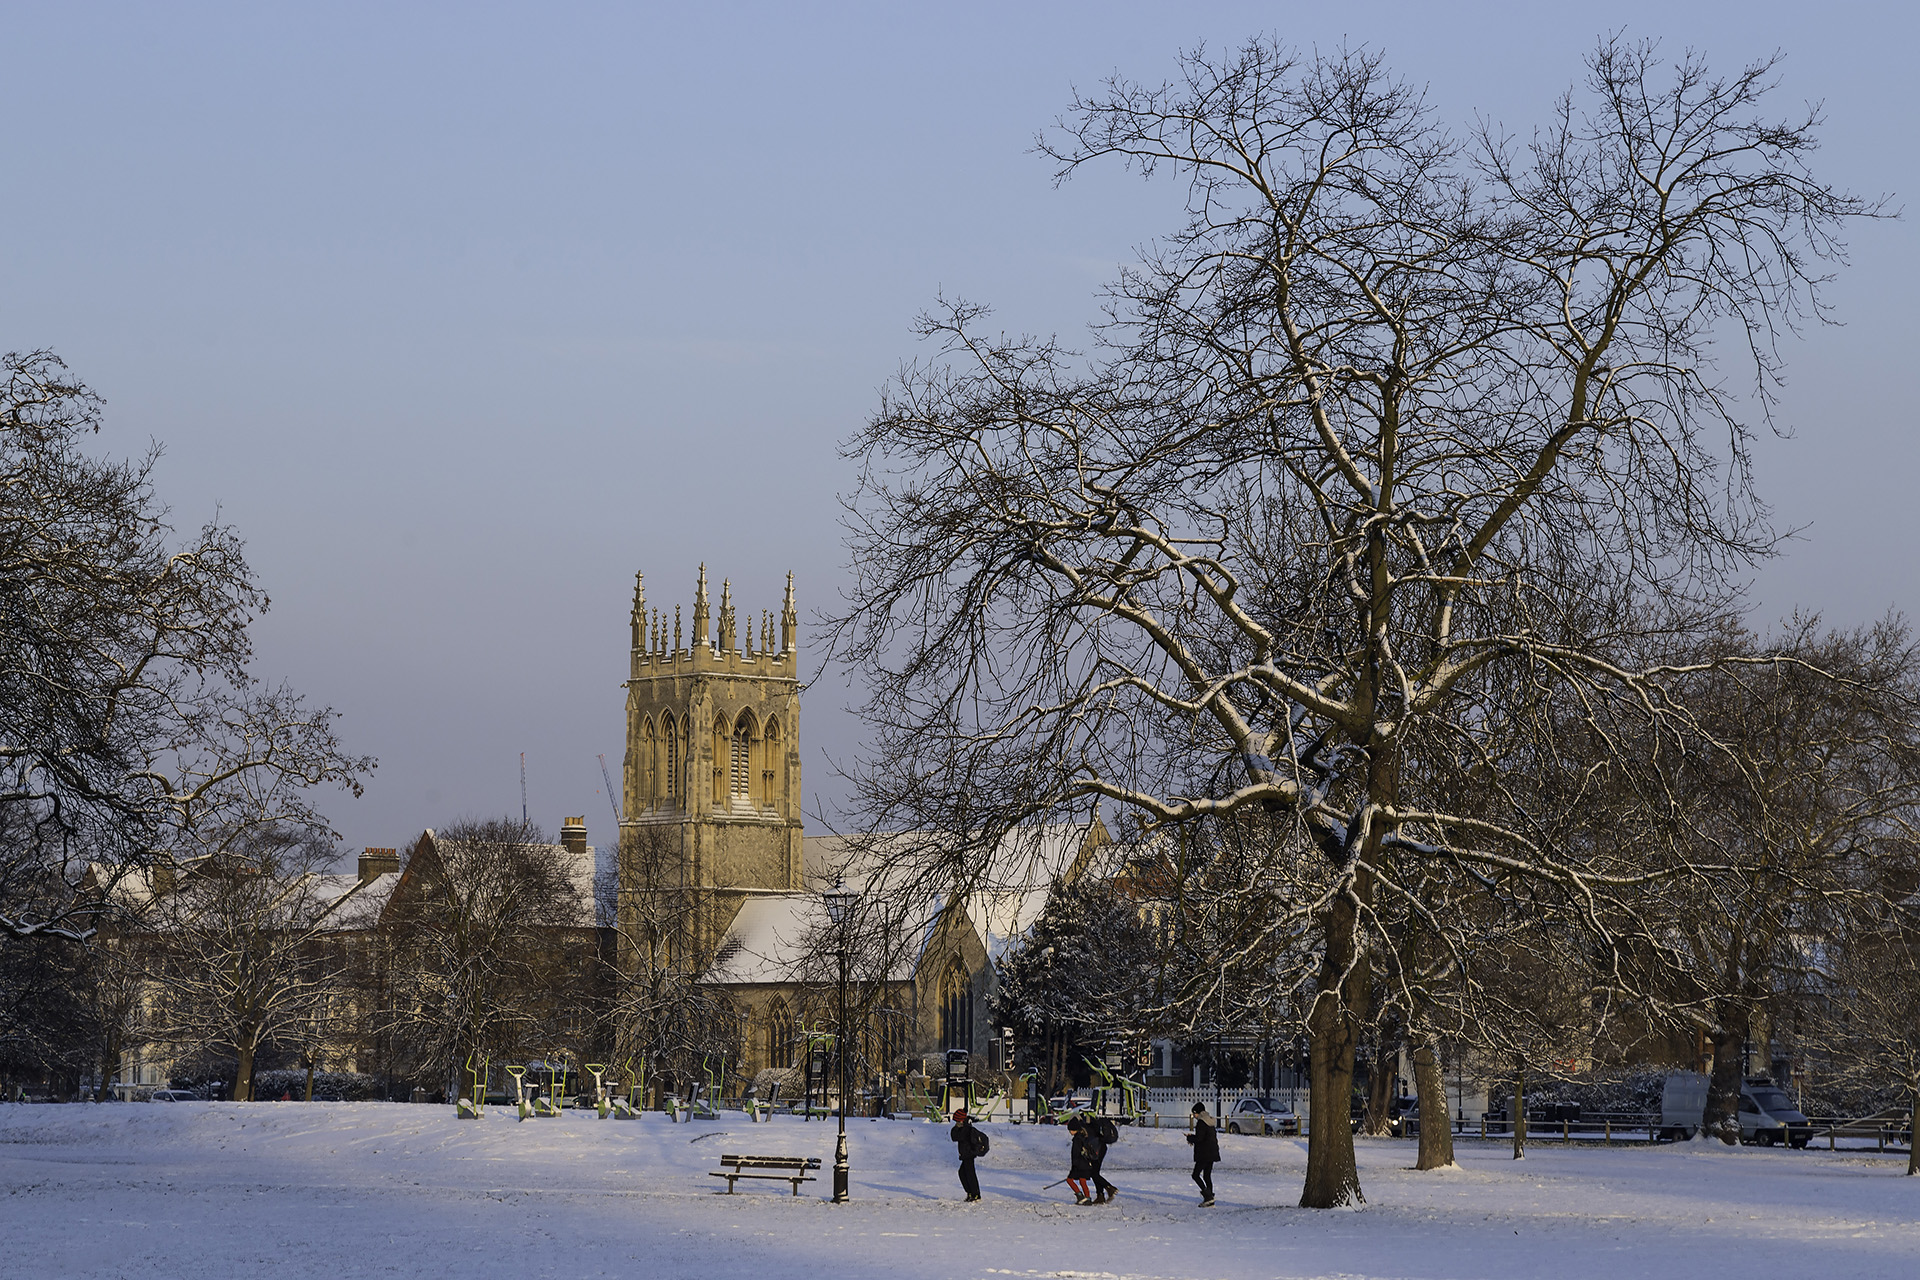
(1262, 1116)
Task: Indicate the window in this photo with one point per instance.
(741, 773)
(779, 1035)
(956, 1010)
(670, 733)
(643, 767)
(769, 763)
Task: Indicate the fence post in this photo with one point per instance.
(1609, 1138)
(1566, 1131)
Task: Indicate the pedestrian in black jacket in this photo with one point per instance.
(972, 1144)
(1104, 1134)
(1083, 1160)
(1206, 1152)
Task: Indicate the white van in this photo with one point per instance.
(1767, 1115)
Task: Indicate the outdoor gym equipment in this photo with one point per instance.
(556, 1088)
(520, 1104)
(598, 1071)
(471, 1107)
(706, 1103)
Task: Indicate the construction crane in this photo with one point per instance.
(608, 779)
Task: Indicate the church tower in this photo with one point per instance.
(711, 811)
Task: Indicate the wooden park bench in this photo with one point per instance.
(791, 1169)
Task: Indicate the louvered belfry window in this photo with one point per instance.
(741, 774)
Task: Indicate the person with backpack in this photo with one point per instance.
(972, 1144)
(1105, 1134)
(1206, 1152)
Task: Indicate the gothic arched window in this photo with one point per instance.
(956, 1009)
(643, 768)
(779, 1034)
(670, 732)
(741, 771)
(769, 763)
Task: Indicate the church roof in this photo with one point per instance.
(768, 941)
(1006, 899)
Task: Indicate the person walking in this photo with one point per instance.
(1105, 1133)
(1206, 1152)
(972, 1145)
(1083, 1160)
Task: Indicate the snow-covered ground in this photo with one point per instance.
(342, 1190)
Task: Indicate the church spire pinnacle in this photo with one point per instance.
(639, 611)
(789, 620)
(700, 611)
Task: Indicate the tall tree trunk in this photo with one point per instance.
(1380, 1080)
(1333, 1178)
(309, 1077)
(1436, 1125)
(1722, 1117)
(109, 1064)
(1519, 1115)
(243, 1073)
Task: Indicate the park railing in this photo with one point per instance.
(1891, 1128)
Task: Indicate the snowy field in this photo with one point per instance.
(218, 1190)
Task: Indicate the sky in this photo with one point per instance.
(463, 314)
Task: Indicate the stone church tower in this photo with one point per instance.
(711, 813)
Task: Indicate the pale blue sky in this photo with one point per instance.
(441, 304)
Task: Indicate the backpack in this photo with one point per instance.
(1106, 1130)
(976, 1143)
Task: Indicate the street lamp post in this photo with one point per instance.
(840, 901)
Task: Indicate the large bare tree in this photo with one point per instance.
(1396, 422)
(476, 956)
(130, 722)
(240, 963)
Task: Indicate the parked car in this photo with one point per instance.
(1262, 1116)
(173, 1095)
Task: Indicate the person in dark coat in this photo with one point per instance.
(1206, 1152)
(1104, 1190)
(1083, 1160)
(967, 1139)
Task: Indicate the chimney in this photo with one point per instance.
(378, 862)
(573, 835)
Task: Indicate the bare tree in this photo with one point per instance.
(1872, 1014)
(240, 966)
(1393, 422)
(474, 960)
(1802, 779)
(662, 1017)
(128, 714)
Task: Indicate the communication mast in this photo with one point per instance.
(523, 788)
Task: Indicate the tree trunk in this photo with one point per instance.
(109, 1063)
(309, 1078)
(1333, 1179)
(243, 1074)
(1520, 1116)
(1436, 1125)
(1380, 1091)
(1722, 1117)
